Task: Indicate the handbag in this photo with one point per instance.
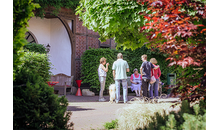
(152, 79)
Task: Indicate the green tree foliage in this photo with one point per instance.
(90, 63)
(22, 12)
(176, 28)
(115, 19)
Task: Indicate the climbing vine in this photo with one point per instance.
(57, 4)
(22, 12)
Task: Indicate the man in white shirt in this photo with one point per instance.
(120, 67)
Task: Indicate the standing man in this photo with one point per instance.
(120, 67)
(146, 74)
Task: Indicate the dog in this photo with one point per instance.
(112, 92)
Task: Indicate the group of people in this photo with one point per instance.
(120, 67)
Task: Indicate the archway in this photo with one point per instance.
(56, 32)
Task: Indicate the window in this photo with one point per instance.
(30, 37)
(104, 47)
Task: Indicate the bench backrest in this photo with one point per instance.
(128, 80)
(62, 78)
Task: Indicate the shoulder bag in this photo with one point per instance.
(153, 79)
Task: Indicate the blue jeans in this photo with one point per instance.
(154, 87)
(125, 89)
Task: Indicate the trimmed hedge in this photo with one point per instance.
(34, 47)
(90, 63)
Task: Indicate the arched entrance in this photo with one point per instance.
(71, 37)
(56, 32)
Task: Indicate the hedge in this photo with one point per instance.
(90, 63)
(34, 47)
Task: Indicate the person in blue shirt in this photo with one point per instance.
(146, 74)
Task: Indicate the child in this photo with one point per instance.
(102, 77)
(136, 82)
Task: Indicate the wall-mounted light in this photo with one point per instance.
(48, 48)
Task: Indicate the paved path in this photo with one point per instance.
(88, 113)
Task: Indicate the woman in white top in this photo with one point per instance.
(102, 77)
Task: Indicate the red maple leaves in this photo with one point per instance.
(171, 19)
(177, 27)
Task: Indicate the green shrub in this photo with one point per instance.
(111, 125)
(33, 63)
(35, 106)
(34, 47)
(188, 118)
(90, 63)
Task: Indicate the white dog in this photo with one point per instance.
(112, 92)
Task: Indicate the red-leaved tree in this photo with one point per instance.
(178, 28)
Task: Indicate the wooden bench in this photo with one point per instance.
(65, 81)
(129, 81)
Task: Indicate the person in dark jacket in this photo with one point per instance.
(146, 74)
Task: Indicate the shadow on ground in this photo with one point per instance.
(76, 108)
(73, 98)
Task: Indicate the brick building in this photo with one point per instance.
(67, 39)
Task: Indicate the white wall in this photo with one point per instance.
(41, 29)
(60, 52)
(52, 31)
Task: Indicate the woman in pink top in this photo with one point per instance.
(157, 74)
(136, 82)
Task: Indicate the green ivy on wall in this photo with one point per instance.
(57, 4)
